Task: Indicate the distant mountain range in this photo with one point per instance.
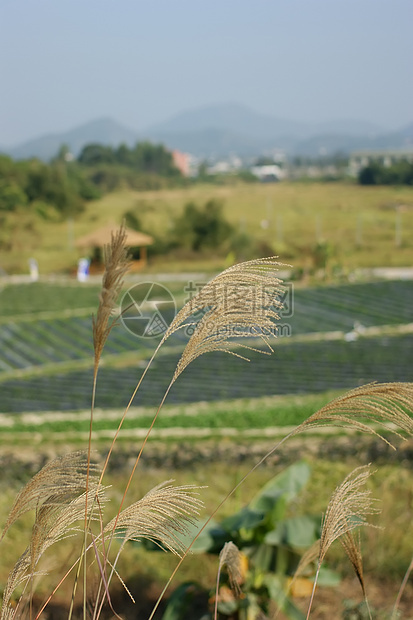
(221, 130)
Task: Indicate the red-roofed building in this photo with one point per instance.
(182, 162)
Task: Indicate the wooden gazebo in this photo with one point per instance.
(101, 237)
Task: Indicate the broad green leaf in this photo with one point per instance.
(275, 537)
(288, 483)
(245, 519)
(262, 558)
(301, 531)
(295, 532)
(328, 577)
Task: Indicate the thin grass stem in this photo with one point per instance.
(401, 590)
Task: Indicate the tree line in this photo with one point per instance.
(65, 183)
(376, 173)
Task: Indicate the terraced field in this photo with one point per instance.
(293, 368)
(45, 361)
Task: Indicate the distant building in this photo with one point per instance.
(361, 159)
(268, 173)
(182, 161)
(225, 166)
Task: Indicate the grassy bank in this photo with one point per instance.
(288, 218)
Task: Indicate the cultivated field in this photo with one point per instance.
(332, 338)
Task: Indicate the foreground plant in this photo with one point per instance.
(239, 304)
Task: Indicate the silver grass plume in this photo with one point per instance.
(230, 557)
(55, 521)
(162, 516)
(240, 302)
(352, 548)
(57, 482)
(388, 403)
(347, 509)
(116, 265)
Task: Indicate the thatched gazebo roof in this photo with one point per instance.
(103, 236)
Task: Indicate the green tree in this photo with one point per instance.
(399, 173)
(202, 227)
(11, 196)
(93, 154)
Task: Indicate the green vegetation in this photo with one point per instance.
(266, 542)
(201, 228)
(399, 173)
(50, 190)
(221, 418)
(365, 226)
(145, 166)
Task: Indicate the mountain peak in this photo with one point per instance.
(220, 129)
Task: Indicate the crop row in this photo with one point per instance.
(33, 343)
(36, 297)
(340, 307)
(293, 368)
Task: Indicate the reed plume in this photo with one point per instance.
(57, 482)
(386, 403)
(230, 556)
(162, 516)
(352, 548)
(348, 509)
(116, 265)
(241, 302)
(55, 520)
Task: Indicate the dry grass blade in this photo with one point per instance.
(162, 516)
(240, 302)
(116, 266)
(403, 584)
(64, 477)
(387, 403)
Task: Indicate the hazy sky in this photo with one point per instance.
(64, 62)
